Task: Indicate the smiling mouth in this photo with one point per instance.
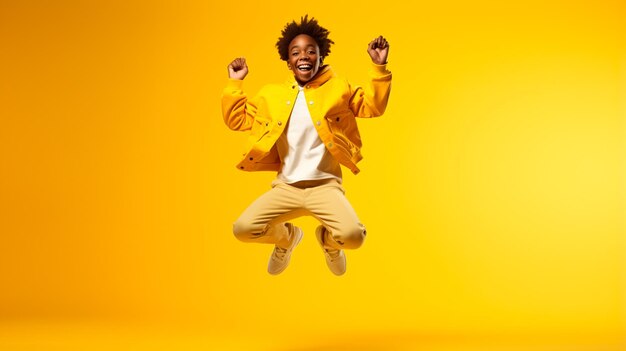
(305, 67)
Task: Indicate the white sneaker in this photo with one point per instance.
(335, 259)
(281, 256)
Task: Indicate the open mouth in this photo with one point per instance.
(306, 67)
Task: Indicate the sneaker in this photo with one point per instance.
(335, 259)
(281, 256)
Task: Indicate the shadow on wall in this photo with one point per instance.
(374, 341)
(490, 342)
(361, 345)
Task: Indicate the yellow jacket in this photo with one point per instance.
(333, 104)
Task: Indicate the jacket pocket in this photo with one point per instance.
(260, 128)
(344, 130)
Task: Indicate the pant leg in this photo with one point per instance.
(263, 220)
(328, 203)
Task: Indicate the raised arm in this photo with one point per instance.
(372, 102)
(237, 111)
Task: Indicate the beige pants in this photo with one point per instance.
(264, 220)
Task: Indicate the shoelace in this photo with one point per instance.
(280, 253)
(333, 254)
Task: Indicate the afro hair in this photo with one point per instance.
(306, 26)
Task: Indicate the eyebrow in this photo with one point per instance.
(306, 47)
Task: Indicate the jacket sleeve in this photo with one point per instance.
(372, 102)
(238, 111)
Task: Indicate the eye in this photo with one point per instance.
(295, 53)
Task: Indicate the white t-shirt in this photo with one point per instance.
(303, 154)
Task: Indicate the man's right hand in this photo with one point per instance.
(238, 69)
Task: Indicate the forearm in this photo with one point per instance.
(236, 110)
(372, 102)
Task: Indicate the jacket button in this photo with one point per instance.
(288, 102)
(337, 119)
(330, 144)
(308, 87)
(319, 123)
(241, 167)
(280, 123)
(251, 158)
(310, 102)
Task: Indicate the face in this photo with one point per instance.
(304, 58)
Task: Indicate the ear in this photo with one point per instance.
(289, 65)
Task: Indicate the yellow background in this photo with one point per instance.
(493, 189)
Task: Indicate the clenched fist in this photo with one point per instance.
(378, 50)
(238, 69)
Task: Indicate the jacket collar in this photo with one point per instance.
(325, 73)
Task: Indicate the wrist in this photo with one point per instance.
(235, 83)
(379, 69)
